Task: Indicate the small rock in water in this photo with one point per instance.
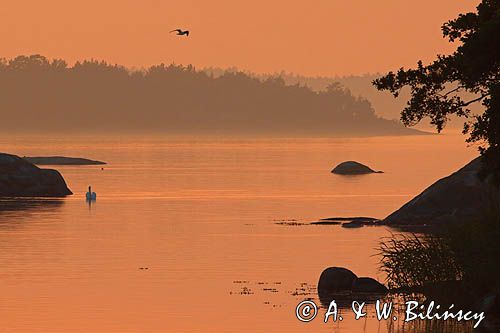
(349, 222)
(353, 168)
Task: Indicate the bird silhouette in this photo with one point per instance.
(181, 32)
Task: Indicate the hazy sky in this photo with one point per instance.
(313, 37)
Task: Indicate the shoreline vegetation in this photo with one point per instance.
(97, 96)
(455, 263)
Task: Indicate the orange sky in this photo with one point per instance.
(313, 37)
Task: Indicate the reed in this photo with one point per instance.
(468, 252)
(412, 261)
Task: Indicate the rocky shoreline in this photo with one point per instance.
(20, 178)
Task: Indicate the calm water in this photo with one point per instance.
(202, 216)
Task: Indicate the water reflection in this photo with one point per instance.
(345, 299)
(90, 202)
(12, 207)
(200, 216)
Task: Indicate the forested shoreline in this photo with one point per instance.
(48, 94)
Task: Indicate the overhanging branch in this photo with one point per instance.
(475, 100)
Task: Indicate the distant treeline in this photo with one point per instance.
(41, 94)
(384, 104)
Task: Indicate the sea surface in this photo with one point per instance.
(203, 234)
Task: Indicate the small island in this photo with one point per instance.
(61, 160)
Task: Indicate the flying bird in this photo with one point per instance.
(181, 32)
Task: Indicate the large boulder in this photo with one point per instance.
(368, 285)
(458, 197)
(20, 178)
(336, 279)
(344, 286)
(353, 168)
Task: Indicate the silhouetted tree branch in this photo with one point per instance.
(475, 100)
(474, 68)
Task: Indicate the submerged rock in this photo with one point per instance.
(20, 178)
(458, 197)
(326, 222)
(353, 168)
(352, 225)
(62, 160)
(349, 222)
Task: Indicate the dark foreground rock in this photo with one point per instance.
(62, 160)
(334, 279)
(344, 286)
(20, 178)
(353, 168)
(368, 285)
(458, 197)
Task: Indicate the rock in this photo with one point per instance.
(20, 178)
(327, 222)
(62, 160)
(352, 225)
(349, 222)
(353, 168)
(360, 219)
(368, 285)
(336, 279)
(343, 286)
(458, 197)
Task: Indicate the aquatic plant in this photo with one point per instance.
(464, 251)
(412, 261)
